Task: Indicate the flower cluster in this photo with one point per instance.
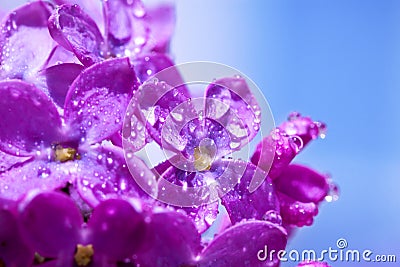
(78, 101)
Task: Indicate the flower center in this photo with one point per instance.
(63, 154)
(204, 155)
(83, 255)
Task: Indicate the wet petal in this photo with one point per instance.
(172, 240)
(76, 31)
(295, 212)
(302, 183)
(39, 175)
(59, 78)
(97, 100)
(232, 104)
(103, 174)
(117, 229)
(13, 249)
(25, 43)
(241, 203)
(118, 21)
(313, 264)
(52, 223)
(161, 21)
(29, 119)
(240, 245)
(203, 216)
(7, 161)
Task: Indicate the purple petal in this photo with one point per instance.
(231, 102)
(303, 127)
(97, 100)
(302, 183)
(118, 21)
(13, 249)
(202, 216)
(35, 175)
(240, 245)
(76, 31)
(241, 203)
(24, 41)
(295, 212)
(52, 223)
(161, 21)
(29, 121)
(117, 229)
(160, 66)
(7, 161)
(172, 240)
(103, 174)
(59, 78)
(313, 264)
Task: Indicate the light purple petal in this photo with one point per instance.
(313, 264)
(302, 183)
(240, 245)
(161, 21)
(76, 31)
(25, 42)
(59, 78)
(203, 216)
(172, 240)
(52, 222)
(295, 212)
(118, 19)
(103, 174)
(231, 102)
(41, 175)
(97, 100)
(241, 204)
(29, 119)
(13, 249)
(7, 161)
(118, 230)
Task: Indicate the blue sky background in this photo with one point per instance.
(338, 61)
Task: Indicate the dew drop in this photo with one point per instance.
(296, 143)
(333, 194)
(273, 216)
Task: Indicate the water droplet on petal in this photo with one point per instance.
(296, 143)
(273, 216)
(333, 194)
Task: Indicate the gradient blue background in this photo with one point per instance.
(338, 61)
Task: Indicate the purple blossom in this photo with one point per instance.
(60, 150)
(299, 188)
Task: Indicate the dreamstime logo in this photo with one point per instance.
(204, 119)
(340, 253)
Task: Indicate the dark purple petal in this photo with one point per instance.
(295, 212)
(76, 31)
(52, 223)
(172, 240)
(161, 21)
(103, 174)
(97, 100)
(117, 229)
(59, 78)
(29, 119)
(302, 183)
(41, 175)
(231, 102)
(25, 42)
(13, 249)
(313, 264)
(240, 246)
(241, 203)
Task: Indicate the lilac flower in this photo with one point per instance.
(61, 150)
(299, 188)
(55, 229)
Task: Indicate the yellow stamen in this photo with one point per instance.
(65, 154)
(83, 255)
(202, 158)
